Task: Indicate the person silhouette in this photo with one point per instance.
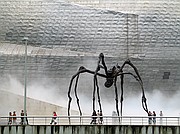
(94, 117)
(161, 115)
(150, 118)
(154, 117)
(54, 118)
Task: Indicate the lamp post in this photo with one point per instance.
(25, 74)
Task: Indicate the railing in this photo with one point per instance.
(86, 120)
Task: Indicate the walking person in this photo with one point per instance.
(27, 122)
(54, 118)
(14, 118)
(10, 118)
(154, 117)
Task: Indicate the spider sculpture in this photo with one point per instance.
(111, 78)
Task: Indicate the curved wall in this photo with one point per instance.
(63, 36)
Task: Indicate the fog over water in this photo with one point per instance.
(47, 91)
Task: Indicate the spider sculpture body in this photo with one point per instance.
(111, 79)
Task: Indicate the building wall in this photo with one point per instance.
(89, 129)
(12, 102)
(61, 33)
(64, 35)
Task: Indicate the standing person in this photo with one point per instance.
(14, 118)
(161, 115)
(10, 118)
(26, 119)
(98, 118)
(22, 117)
(154, 117)
(54, 118)
(150, 118)
(114, 117)
(101, 118)
(94, 117)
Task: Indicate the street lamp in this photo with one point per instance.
(25, 74)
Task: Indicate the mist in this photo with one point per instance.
(48, 91)
(156, 101)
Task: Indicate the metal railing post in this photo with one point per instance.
(25, 76)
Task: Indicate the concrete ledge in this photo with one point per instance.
(89, 129)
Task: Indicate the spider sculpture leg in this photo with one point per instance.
(122, 91)
(82, 70)
(77, 99)
(94, 92)
(137, 77)
(75, 91)
(116, 94)
(101, 56)
(98, 94)
(69, 92)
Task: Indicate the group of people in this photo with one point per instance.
(13, 118)
(24, 119)
(152, 117)
(97, 116)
